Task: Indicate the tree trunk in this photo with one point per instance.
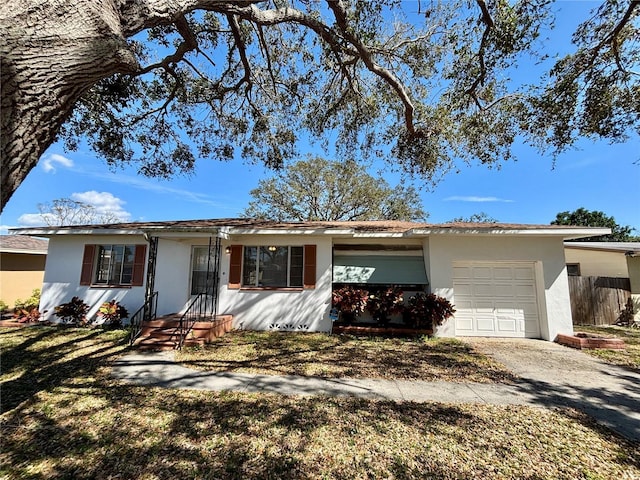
(51, 53)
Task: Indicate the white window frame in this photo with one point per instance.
(99, 264)
(257, 283)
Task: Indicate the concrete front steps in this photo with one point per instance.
(164, 333)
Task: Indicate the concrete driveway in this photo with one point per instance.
(553, 374)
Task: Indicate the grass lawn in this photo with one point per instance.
(334, 356)
(65, 418)
(630, 357)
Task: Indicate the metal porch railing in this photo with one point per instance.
(147, 311)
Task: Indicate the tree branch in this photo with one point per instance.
(489, 24)
(190, 43)
(265, 50)
(365, 54)
(235, 29)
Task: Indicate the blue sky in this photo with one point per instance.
(596, 176)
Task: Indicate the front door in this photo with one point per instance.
(204, 273)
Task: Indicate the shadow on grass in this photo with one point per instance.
(47, 357)
(145, 432)
(345, 356)
(85, 425)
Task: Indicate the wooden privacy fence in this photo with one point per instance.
(598, 300)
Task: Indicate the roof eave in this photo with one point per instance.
(23, 251)
(566, 234)
(49, 232)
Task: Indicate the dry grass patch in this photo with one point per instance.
(142, 433)
(74, 421)
(336, 356)
(630, 357)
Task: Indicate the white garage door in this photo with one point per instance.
(496, 299)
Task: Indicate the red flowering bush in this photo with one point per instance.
(350, 301)
(427, 310)
(73, 312)
(384, 303)
(112, 313)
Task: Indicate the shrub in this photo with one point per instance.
(350, 301)
(30, 303)
(73, 312)
(384, 303)
(427, 310)
(112, 314)
(26, 311)
(26, 315)
(3, 306)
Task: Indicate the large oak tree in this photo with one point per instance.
(163, 82)
(317, 189)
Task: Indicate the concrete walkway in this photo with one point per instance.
(550, 375)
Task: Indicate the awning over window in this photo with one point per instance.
(379, 269)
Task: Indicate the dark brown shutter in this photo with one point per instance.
(235, 266)
(88, 258)
(139, 258)
(309, 280)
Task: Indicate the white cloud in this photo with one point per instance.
(49, 162)
(476, 199)
(144, 184)
(578, 164)
(104, 202)
(32, 220)
(106, 205)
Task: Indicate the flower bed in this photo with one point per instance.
(392, 331)
(582, 340)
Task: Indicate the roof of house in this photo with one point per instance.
(23, 244)
(627, 248)
(359, 228)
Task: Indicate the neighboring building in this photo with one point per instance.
(22, 262)
(504, 280)
(607, 259)
(601, 259)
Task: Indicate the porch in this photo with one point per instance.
(169, 333)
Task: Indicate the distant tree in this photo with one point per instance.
(65, 211)
(324, 190)
(589, 218)
(480, 217)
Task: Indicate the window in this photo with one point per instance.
(573, 269)
(114, 265)
(108, 265)
(272, 266)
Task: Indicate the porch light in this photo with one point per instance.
(272, 248)
(227, 250)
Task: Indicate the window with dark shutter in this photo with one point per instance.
(89, 256)
(235, 266)
(113, 265)
(310, 266)
(137, 278)
(272, 267)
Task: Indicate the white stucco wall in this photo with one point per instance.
(173, 272)
(62, 276)
(598, 263)
(306, 310)
(548, 252)
(252, 309)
